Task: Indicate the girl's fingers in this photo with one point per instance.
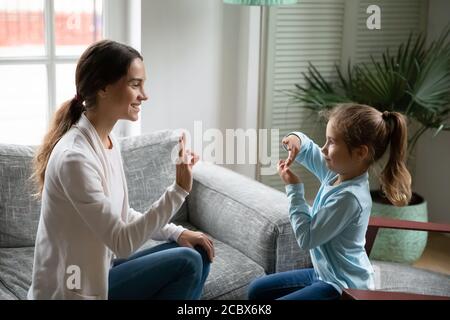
(289, 159)
(280, 166)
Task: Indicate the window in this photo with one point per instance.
(325, 32)
(40, 43)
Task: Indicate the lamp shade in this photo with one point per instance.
(261, 2)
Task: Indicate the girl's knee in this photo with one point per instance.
(254, 289)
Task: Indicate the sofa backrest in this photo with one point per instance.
(19, 211)
(148, 169)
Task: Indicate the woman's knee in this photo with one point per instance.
(192, 259)
(204, 255)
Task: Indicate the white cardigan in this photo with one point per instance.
(79, 230)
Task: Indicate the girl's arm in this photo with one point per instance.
(311, 157)
(312, 231)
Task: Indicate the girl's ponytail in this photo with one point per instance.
(395, 178)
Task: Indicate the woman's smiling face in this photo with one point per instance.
(128, 93)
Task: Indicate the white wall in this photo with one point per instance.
(196, 55)
(122, 23)
(432, 178)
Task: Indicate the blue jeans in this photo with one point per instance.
(164, 272)
(301, 284)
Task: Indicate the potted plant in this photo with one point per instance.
(414, 81)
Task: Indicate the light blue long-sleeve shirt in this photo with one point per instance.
(334, 228)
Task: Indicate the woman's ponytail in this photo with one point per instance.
(395, 178)
(65, 117)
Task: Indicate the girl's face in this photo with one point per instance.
(338, 156)
(126, 95)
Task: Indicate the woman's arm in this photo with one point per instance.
(170, 232)
(82, 184)
(184, 237)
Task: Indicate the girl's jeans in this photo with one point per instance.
(301, 284)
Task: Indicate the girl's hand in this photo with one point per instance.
(292, 144)
(191, 239)
(186, 161)
(286, 174)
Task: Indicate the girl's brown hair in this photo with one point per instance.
(364, 125)
(103, 63)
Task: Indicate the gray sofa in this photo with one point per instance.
(247, 221)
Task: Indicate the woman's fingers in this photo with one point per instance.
(209, 247)
(186, 156)
(212, 246)
(181, 146)
(193, 158)
(183, 169)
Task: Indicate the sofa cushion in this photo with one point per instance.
(230, 274)
(16, 265)
(6, 294)
(19, 211)
(390, 276)
(246, 215)
(147, 180)
(229, 277)
(149, 169)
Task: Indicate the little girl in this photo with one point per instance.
(334, 228)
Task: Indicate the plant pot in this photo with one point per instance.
(399, 245)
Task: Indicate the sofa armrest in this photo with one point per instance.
(355, 294)
(379, 222)
(247, 215)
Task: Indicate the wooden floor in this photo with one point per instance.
(436, 256)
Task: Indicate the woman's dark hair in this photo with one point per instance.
(364, 125)
(103, 63)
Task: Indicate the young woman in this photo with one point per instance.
(334, 228)
(86, 220)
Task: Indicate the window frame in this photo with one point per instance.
(49, 59)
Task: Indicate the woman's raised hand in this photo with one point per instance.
(186, 160)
